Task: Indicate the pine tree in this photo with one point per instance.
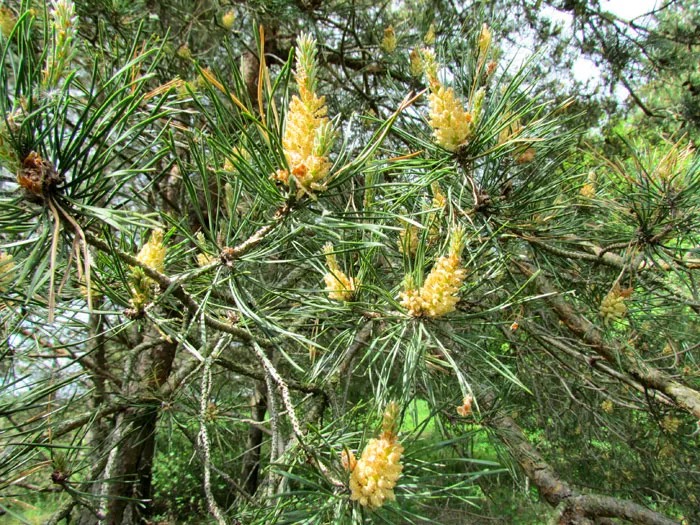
(327, 262)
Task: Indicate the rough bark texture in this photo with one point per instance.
(99, 431)
(573, 507)
(132, 472)
(251, 460)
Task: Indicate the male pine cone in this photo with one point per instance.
(374, 476)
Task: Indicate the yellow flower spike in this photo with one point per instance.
(452, 124)
(476, 104)
(374, 476)
(308, 135)
(410, 297)
(389, 420)
(339, 286)
(411, 300)
(152, 254)
(456, 241)
(430, 66)
(439, 199)
(588, 190)
(438, 295)
(389, 40)
(408, 240)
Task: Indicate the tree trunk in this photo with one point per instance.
(128, 475)
(251, 459)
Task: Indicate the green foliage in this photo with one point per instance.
(177, 481)
(230, 365)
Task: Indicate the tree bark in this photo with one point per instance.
(574, 508)
(129, 485)
(250, 472)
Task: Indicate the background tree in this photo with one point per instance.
(342, 254)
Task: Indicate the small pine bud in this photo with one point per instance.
(466, 408)
(228, 19)
(439, 199)
(526, 156)
(204, 259)
(408, 240)
(430, 66)
(588, 189)
(429, 37)
(612, 307)
(438, 295)
(339, 286)
(184, 52)
(484, 41)
(152, 254)
(7, 270)
(416, 68)
(389, 40)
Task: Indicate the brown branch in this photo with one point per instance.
(651, 378)
(228, 257)
(609, 507)
(575, 507)
(639, 265)
(260, 376)
(595, 363)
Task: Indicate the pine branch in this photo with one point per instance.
(571, 504)
(651, 378)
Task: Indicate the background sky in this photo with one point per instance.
(584, 70)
